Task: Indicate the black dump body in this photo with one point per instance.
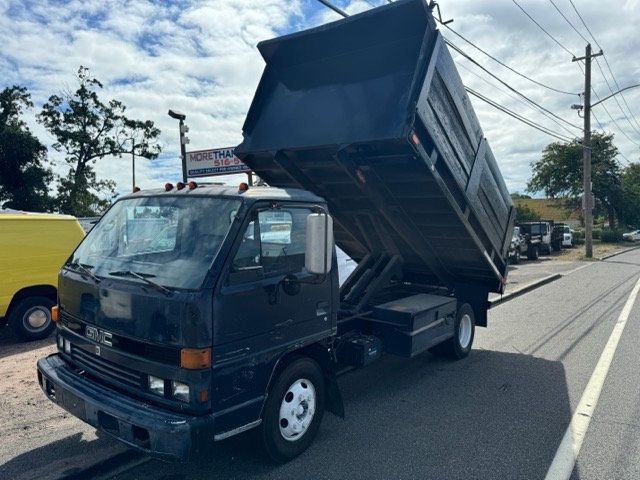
(370, 113)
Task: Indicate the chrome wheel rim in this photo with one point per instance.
(36, 318)
(464, 331)
(297, 410)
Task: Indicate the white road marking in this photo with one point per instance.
(565, 459)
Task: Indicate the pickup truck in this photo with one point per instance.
(193, 313)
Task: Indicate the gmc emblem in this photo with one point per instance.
(99, 336)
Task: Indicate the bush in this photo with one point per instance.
(578, 241)
(597, 234)
(611, 236)
(578, 236)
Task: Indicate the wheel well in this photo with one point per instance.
(48, 291)
(321, 354)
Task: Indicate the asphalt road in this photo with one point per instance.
(499, 414)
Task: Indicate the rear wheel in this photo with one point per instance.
(31, 318)
(533, 253)
(459, 346)
(293, 410)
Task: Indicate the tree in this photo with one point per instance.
(87, 130)
(24, 178)
(559, 173)
(630, 211)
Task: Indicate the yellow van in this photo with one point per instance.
(33, 247)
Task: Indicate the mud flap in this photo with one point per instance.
(334, 403)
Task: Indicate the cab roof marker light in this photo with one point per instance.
(168, 187)
(243, 187)
(179, 186)
(136, 189)
(192, 185)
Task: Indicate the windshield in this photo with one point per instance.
(170, 241)
(533, 229)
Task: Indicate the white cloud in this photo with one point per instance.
(200, 57)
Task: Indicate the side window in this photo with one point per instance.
(276, 242)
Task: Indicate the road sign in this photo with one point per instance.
(217, 161)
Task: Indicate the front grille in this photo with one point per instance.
(105, 369)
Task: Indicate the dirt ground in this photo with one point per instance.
(35, 432)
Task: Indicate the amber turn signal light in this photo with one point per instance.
(195, 358)
(54, 313)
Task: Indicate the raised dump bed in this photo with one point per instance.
(370, 113)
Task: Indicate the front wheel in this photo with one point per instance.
(459, 346)
(293, 410)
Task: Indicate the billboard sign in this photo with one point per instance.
(217, 161)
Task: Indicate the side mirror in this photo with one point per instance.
(319, 247)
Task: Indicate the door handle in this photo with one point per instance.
(322, 309)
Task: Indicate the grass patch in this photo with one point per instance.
(599, 249)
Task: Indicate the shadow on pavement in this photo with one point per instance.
(10, 344)
(495, 415)
(59, 458)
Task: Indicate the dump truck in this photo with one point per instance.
(193, 313)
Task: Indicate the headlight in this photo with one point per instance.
(156, 385)
(180, 391)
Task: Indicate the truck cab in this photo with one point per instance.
(174, 288)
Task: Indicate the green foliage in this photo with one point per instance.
(559, 173)
(516, 195)
(525, 213)
(630, 211)
(597, 233)
(578, 235)
(24, 178)
(611, 236)
(87, 129)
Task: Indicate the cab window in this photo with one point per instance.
(275, 241)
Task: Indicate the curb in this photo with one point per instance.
(619, 252)
(525, 289)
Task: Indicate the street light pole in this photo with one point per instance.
(133, 164)
(586, 154)
(183, 140)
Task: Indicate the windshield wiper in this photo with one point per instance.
(144, 278)
(85, 269)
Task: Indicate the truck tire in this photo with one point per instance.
(459, 346)
(533, 253)
(293, 410)
(30, 319)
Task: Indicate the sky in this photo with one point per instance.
(200, 57)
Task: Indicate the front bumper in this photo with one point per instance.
(158, 432)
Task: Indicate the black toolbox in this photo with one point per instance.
(358, 350)
(411, 325)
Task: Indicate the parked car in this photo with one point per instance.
(631, 236)
(33, 247)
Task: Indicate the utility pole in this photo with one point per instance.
(587, 201)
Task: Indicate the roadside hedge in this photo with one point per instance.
(611, 236)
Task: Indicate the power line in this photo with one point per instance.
(615, 81)
(517, 116)
(544, 30)
(468, 57)
(507, 66)
(528, 105)
(577, 63)
(597, 63)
